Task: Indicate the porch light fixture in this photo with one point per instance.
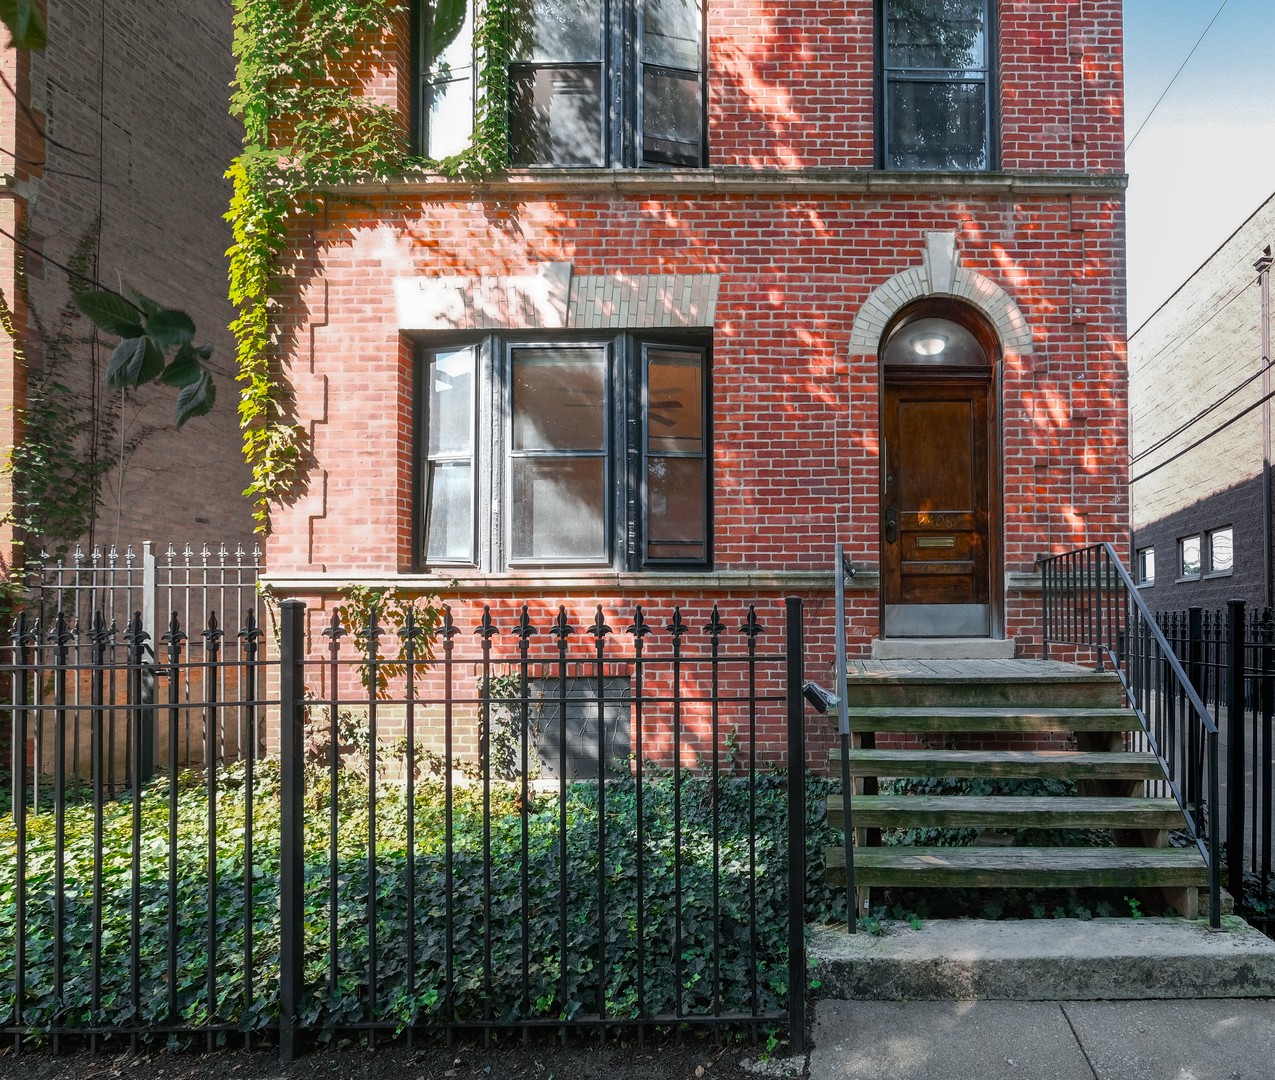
(823, 701)
(930, 345)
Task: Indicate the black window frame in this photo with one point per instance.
(887, 75)
(625, 515)
(623, 63)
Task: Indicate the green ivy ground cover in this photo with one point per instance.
(214, 985)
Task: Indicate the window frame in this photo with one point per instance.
(622, 106)
(1141, 560)
(626, 521)
(426, 460)
(883, 80)
(1207, 567)
(1183, 574)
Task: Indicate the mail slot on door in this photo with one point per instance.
(941, 546)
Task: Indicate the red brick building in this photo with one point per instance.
(764, 277)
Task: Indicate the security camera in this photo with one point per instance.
(823, 700)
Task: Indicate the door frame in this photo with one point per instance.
(973, 321)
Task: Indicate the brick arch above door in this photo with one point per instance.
(940, 274)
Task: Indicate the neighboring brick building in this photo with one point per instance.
(138, 138)
(651, 364)
(1201, 512)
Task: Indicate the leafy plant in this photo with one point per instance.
(25, 24)
(366, 613)
(58, 465)
(308, 125)
(222, 900)
(148, 332)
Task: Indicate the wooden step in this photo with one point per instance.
(971, 683)
(1006, 812)
(1051, 764)
(990, 720)
(1043, 868)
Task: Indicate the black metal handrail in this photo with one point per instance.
(1090, 604)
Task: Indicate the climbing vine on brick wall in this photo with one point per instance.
(307, 126)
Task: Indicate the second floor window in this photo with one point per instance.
(592, 83)
(936, 79)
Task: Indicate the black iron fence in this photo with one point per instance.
(1093, 611)
(531, 822)
(1230, 658)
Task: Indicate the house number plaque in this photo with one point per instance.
(938, 521)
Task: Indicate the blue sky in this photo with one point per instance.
(1206, 160)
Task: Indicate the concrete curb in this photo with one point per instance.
(1044, 960)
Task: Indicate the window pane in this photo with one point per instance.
(934, 341)
(559, 507)
(1221, 554)
(559, 30)
(447, 65)
(449, 37)
(451, 402)
(1189, 557)
(675, 508)
(670, 116)
(937, 125)
(670, 33)
(1146, 566)
(450, 116)
(555, 115)
(945, 35)
(674, 403)
(559, 399)
(449, 513)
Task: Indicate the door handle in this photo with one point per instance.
(891, 525)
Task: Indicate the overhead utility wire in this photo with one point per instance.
(1130, 143)
(1199, 416)
(1204, 438)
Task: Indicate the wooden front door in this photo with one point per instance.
(936, 545)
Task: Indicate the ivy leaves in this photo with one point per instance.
(149, 331)
(26, 27)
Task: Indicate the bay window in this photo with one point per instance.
(572, 454)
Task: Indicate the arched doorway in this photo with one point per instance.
(940, 470)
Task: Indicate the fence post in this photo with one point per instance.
(1194, 738)
(291, 824)
(1263, 780)
(796, 828)
(1235, 748)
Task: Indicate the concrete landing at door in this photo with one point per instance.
(943, 649)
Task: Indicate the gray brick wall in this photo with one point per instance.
(136, 94)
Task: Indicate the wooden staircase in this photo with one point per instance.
(961, 719)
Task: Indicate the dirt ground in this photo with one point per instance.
(696, 1057)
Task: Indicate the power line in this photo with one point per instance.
(1198, 416)
(1130, 143)
(1204, 438)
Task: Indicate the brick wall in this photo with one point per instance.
(134, 101)
(797, 252)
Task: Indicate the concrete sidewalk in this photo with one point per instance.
(1216, 1039)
